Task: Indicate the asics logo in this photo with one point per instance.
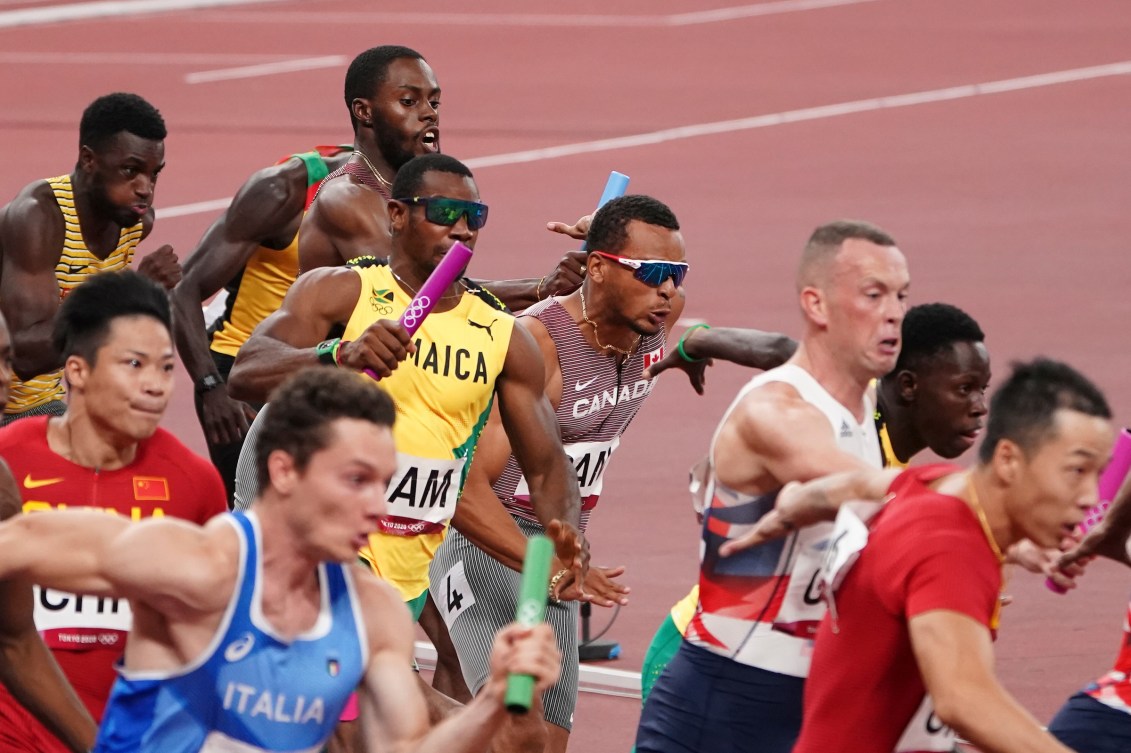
(579, 386)
(35, 483)
(239, 648)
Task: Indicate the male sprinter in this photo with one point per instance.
(107, 453)
(27, 669)
(801, 420)
(442, 382)
(596, 343)
(59, 231)
(251, 632)
(252, 250)
(926, 586)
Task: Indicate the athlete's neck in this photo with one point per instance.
(905, 439)
(368, 153)
(410, 278)
(988, 492)
(99, 233)
(844, 387)
(289, 586)
(605, 332)
(77, 437)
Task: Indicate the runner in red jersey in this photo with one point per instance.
(104, 452)
(917, 611)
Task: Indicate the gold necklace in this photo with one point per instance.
(375, 172)
(585, 318)
(981, 513)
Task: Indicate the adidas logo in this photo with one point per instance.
(845, 430)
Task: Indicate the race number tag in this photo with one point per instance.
(849, 537)
(926, 733)
(455, 596)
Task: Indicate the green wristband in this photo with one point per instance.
(679, 345)
(327, 351)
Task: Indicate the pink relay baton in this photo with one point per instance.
(1110, 481)
(446, 272)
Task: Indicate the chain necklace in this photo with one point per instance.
(976, 504)
(585, 318)
(376, 173)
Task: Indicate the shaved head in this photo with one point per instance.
(826, 241)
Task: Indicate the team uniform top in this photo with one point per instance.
(87, 634)
(1114, 688)
(258, 289)
(926, 551)
(443, 397)
(597, 404)
(76, 263)
(250, 690)
(760, 607)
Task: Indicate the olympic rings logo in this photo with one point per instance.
(528, 613)
(416, 311)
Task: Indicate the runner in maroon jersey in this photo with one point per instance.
(105, 452)
(596, 343)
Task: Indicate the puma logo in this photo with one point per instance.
(485, 327)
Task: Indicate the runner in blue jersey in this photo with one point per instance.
(250, 632)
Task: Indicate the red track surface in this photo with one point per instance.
(1011, 205)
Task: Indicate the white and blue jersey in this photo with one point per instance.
(250, 690)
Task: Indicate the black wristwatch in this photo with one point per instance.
(208, 382)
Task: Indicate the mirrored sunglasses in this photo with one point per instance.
(652, 271)
(444, 211)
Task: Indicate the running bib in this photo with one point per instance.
(422, 495)
(849, 537)
(926, 733)
(590, 459)
(75, 622)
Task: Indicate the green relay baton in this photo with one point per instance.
(532, 597)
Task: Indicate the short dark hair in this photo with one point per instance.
(368, 71)
(111, 114)
(609, 230)
(1023, 408)
(410, 176)
(83, 322)
(929, 328)
(303, 407)
(827, 239)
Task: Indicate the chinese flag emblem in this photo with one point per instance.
(151, 489)
(653, 357)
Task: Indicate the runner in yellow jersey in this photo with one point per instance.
(252, 250)
(57, 232)
(443, 382)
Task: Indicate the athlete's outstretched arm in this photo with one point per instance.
(392, 710)
(802, 504)
(966, 694)
(264, 209)
(27, 668)
(535, 438)
(746, 347)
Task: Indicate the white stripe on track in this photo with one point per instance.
(267, 69)
(758, 121)
(106, 9)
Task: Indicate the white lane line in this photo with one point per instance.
(761, 121)
(267, 69)
(106, 9)
(555, 20)
(134, 58)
